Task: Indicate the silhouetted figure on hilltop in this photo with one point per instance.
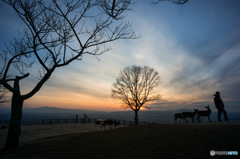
(220, 106)
(85, 119)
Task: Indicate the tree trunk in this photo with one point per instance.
(14, 130)
(136, 117)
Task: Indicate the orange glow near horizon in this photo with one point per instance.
(75, 100)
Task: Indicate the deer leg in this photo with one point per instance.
(193, 120)
(176, 120)
(209, 119)
(198, 119)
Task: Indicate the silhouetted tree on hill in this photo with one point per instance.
(136, 86)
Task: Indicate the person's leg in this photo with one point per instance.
(219, 114)
(225, 114)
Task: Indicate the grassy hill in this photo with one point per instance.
(146, 141)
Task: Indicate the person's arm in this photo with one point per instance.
(221, 104)
(216, 102)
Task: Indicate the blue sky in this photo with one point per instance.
(195, 47)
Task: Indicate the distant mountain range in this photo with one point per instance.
(47, 109)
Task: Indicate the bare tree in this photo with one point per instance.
(136, 86)
(47, 41)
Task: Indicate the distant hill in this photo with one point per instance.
(46, 109)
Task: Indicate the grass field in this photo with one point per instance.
(178, 141)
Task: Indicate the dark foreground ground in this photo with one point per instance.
(178, 141)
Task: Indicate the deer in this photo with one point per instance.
(176, 116)
(107, 122)
(189, 115)
(116, 123)
(204, 113)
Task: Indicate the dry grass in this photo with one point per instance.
(148, 141)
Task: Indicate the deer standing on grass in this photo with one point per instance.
(107, 122)
(116, 123)
(189, 115)
(204, 113)
(176, 116)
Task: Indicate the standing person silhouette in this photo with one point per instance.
(84, 116)
(85, 119)
(220, 106)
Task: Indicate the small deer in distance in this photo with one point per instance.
(116, 123)
(204, 113)
(189, 115)
(110, 123)
(107, 122)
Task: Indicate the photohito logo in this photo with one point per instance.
(232, 153)
(212, 152)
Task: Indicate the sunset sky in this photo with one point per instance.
(195, 47)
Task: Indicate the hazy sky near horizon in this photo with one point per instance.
(195, 47)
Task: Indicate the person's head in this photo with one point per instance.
(217, 94)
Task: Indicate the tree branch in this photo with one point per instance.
(39, 85)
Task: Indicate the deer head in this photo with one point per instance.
(195, 111)
(207, 106)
